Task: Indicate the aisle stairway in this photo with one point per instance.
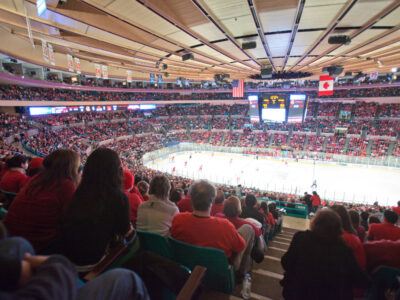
(266, 275)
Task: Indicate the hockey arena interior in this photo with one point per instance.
(200, 149)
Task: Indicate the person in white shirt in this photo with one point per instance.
(156, 214)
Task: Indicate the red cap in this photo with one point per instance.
(36, 163)
(129, 180)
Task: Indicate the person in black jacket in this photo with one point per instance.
(318, 264)
(98, 213)
(250, 210)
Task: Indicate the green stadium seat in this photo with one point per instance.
(219, 276)
(156, 243)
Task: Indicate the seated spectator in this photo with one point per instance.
(350, 236)
(218, 205)
(373, 220)
(232, 210)
(24, 275)
(37, 210)
(355, 222)
(318, 264)
(250, 209)
(185, 205)
(143, 188)
(14, 178)
(387, 230)
(201, 229)
(176, 195)
(98, 213)
(364, 220)
(156, 214)
(134, 198)
(35, 166)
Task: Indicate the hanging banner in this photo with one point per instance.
(159, 79)
(152, 78)
(70, 62)
(45, 51)
(77, 65)
(97, 68)
(104, 70)
(52, 58)
(128, 76)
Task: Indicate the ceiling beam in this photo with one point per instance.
(295, 28)
(331, 27)
(156, 9)
(107, 22)
(376, 18)
(210, 16)
(260, 31)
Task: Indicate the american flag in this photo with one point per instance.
(238, 88)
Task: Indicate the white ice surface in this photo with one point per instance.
(350, 183)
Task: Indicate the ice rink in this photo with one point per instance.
(352, 183)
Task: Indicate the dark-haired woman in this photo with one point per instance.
(98, 213)
(318, 264)
(36, 211)
(14, 177)
(350, 236)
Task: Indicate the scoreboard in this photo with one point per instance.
(274, 101)
(273, 108)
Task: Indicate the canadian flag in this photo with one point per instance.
(325, 86)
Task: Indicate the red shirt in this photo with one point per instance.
(207, 232)
(353, 241)
(185, 205)
(134, 201)
(12, 181)
(38, 218)
(315, 200)
(239, 222)
(384, 231)
(382, 252)
(396, 209)
(217, 208)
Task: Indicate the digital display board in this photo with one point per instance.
(254, 112)
(47, 110)
(297, 105)
(273, 108)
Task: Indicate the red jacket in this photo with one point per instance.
(384, 231)
(37, 218)
(217, 208)
(353, 241)
(135, 200)
(315, 200)
(185, 205)
(13, 180)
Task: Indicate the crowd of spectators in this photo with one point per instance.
(12, 92)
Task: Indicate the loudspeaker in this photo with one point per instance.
(339, 40)
(164, 66)
(333, 70)
(249, 45)
(187, 56)
(266, 73)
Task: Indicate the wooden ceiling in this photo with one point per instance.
(139, 35)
